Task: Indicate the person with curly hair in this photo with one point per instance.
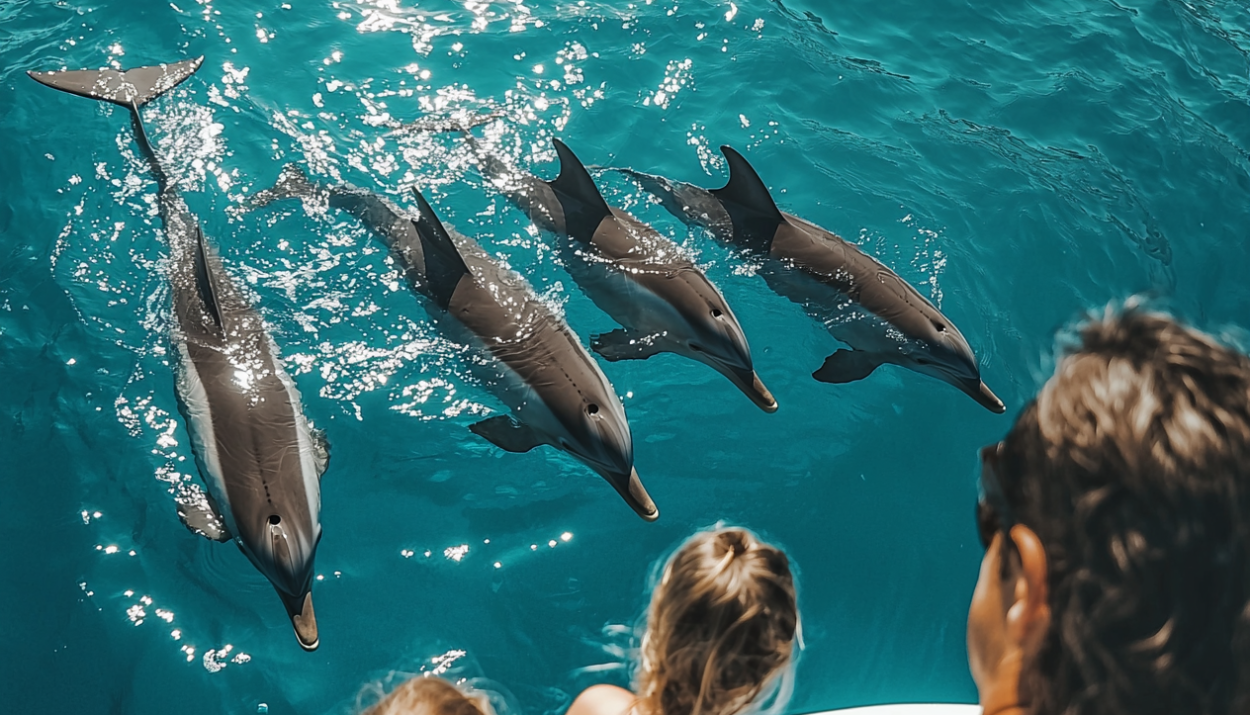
(720, 633)
(1116, 520)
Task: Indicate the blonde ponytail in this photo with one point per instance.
(721, 628)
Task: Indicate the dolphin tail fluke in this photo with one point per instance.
(688, 203)
(128, 88)
(574, 181)
(444, 266)
(291, 183)
(676, 197)
(652, 184)
(847, 366)
(745, 188)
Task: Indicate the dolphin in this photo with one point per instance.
(825, 274)
(258, 454)
(642, 279)
(555, 390)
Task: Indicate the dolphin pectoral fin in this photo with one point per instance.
(199, 513)
(321, 449)
(848, 366)
(507, 434)
(623, 345)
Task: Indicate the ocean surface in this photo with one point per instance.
(1019, 162)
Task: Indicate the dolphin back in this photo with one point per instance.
(129, 88)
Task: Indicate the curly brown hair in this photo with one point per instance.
(1133, 467)
(721, 627)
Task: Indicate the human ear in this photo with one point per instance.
(1028, 615)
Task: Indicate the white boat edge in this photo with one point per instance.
(908, 709)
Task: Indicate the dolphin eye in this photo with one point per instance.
(716, 313)
(592, 409)
(695, 347)
(939, 327)
(274, 519)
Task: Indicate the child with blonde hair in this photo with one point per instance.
(429, 695)
(720, 634)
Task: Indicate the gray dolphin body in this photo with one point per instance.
(258, 454)
(633, 273)
(535, 364)
(825, 274)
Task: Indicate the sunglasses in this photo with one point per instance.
(994, 515)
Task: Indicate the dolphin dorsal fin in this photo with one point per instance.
(204, 279)
(444, 266)
(745, 187)
(575, 181)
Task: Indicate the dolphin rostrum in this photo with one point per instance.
(259, 456)
(633, 273)
(826, 274)
(535, 364)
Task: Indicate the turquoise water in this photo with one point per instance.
(1019, 162)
